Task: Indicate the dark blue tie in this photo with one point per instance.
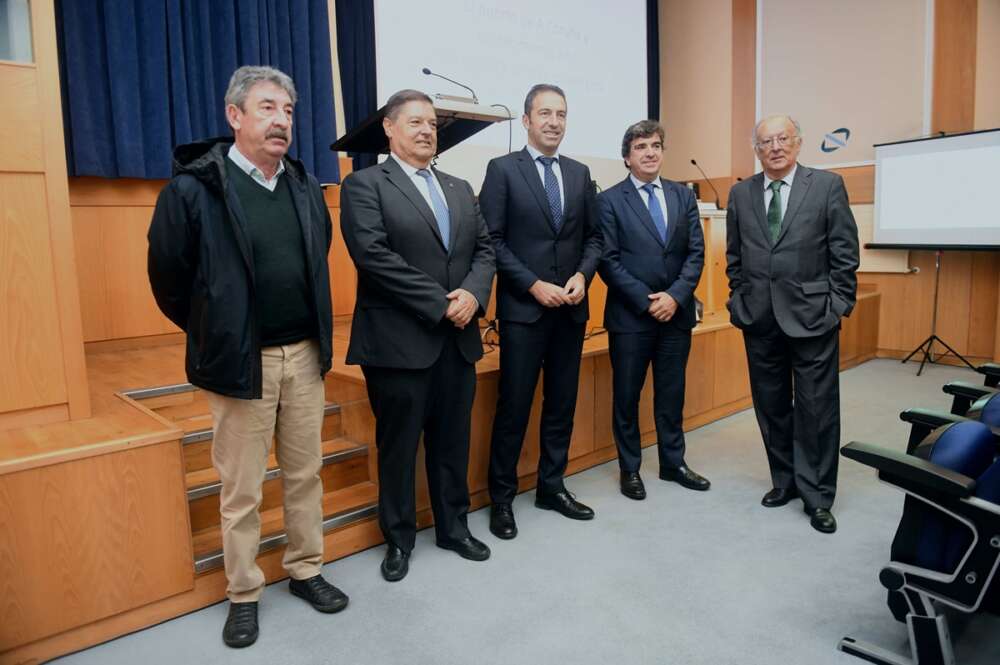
(655, 212)
(552, 191)
(440, 209)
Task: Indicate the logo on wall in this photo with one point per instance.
(835, 140)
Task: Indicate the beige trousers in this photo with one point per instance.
(290, 411)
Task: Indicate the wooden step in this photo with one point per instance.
(345, 463)
(198, 443)
(340, 508)
(185, 405)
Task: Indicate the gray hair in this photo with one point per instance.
(540, 88)
(400, 99)
(641, 130)
(779, 116)
(247, 76)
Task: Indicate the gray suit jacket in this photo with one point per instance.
(404, 270)
(807, 277)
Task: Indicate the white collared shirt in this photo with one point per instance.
(786, 190)
(555, 169)
(420, 182)
(657, 190)
(255, 173)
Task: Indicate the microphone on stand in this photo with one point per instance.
(717, 199)
(475, 100)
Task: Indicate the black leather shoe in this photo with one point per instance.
(821, 519)
(779, 496)
(241, 625)
(319, 593)
(685, 477)
(564, 503)
(502, 524)
(632, 486)
(467, 548)
(396, 564)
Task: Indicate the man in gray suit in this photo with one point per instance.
(792, 253)
(425, 270)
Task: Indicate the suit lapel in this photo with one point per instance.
(394, 173)
(757, 201)
(454, 206)
(634, 200)
(673, 210)
(800, 186)
(530, 173)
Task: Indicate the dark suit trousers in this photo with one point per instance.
(554, 342)
(796, 396)
(667, 348)
(437, 401)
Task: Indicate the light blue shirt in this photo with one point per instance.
(255, 173)
(420, 182)
(555, 169)
(657, 190)
(786, 190)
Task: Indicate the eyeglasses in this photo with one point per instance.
(781, 141)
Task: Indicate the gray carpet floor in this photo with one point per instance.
(680, 578)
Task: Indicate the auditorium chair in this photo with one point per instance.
(965, 393)
(946, 550)
(970, 403)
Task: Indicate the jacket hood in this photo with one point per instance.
(205, 160)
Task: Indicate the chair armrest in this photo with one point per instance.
(924, 421)
(992, 372)
(909, 472)
(964, 394)
(930, 418)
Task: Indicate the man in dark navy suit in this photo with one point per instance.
(542, 214)
(654, 251)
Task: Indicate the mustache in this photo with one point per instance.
(277, 134)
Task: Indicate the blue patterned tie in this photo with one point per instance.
(552, 191)
(440, 209)
(655, 212)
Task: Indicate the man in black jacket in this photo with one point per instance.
(237, 259)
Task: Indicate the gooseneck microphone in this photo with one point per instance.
(718, 204)
(475, 100)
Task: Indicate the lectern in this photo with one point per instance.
(458, 119)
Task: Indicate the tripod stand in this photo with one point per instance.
(927, 346)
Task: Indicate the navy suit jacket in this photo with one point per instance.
(528, 249)
(637, 263)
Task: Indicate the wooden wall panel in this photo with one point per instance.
(984, 288)
(20, 131)
(87, 539)
(31, 358)
(114, 288)
(732, 377)
(744, 86)
(953, 105)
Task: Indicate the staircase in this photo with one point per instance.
(349, 495)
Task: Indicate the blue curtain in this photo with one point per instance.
(142, 76)
(356, 52)
(653, 58)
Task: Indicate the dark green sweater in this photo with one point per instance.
(283, 298)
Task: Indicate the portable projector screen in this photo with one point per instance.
(938, 193)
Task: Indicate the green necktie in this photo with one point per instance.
(774, 209)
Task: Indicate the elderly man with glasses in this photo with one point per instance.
(792, 253)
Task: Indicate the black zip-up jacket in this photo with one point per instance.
(201, 267)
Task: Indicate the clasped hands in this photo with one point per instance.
(662, 306)
(553, 295)
(462, 306)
